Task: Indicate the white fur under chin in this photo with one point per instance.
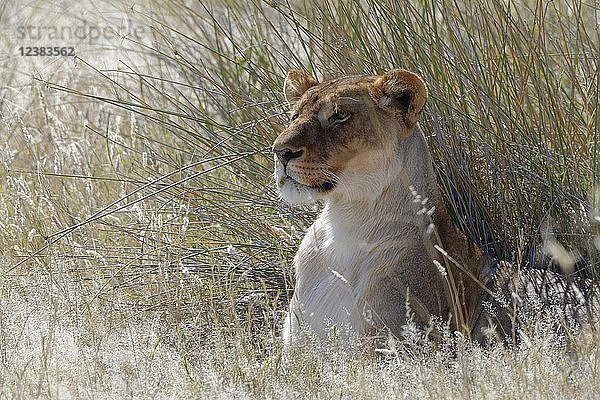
(293, 192)
(297, 194)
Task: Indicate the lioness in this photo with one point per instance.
(384, 238)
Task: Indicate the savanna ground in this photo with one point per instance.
(145, 252)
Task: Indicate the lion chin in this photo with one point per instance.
(296, 193)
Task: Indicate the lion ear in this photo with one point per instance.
(402, 92)
(296, 83)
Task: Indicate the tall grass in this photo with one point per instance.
(142, 234)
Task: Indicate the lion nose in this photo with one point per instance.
(285, 155)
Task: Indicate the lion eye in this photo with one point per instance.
(294, 117)
(338, 117)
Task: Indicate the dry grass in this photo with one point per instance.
(145, 253)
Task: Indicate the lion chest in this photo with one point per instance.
(333, 280)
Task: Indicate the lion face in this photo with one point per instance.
(343, 133)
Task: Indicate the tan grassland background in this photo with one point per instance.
(144, 250)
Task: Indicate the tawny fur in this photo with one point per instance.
(384, 238)
(374, 241)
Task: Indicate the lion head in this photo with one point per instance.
(343, 133)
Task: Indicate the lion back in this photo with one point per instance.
(518, 302)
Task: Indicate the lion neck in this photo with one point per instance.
(401, 186)
(402, 208)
